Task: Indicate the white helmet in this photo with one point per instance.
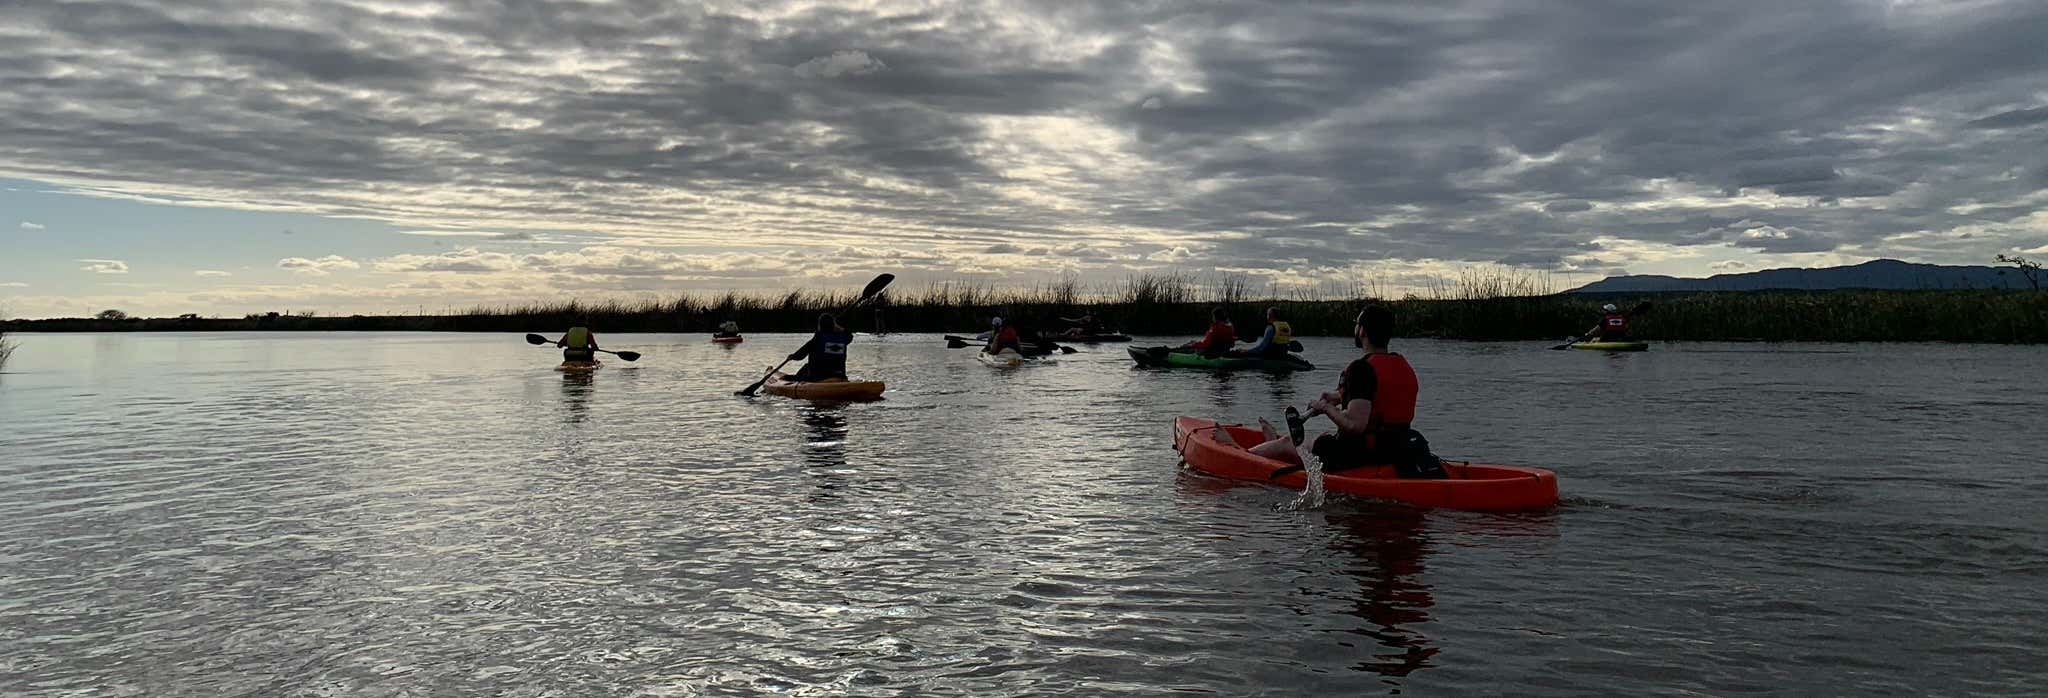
(1609, 307)
(996, 321)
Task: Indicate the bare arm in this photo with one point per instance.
(1351, 419)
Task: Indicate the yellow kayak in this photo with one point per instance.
(831, 389)
(1612, 346)
(579, 365)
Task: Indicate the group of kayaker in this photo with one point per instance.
(1373, 407)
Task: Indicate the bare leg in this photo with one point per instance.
(1280, 449)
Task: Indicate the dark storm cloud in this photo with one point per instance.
(1258, 134)
(2013, 119)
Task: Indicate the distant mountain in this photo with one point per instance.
(1883, 274)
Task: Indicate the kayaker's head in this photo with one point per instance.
(996, 322)
(1609, 307)
(1219, 315)
(1273, 314)
(826, 323)
(1374, 328)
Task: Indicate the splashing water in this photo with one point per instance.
(1311, 493)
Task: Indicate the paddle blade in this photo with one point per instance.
(1067, 350)
(629, 355)
(956, 343)
(537, 339)
(876, 286)
(756, 387)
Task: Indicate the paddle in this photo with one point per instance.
(1640, 308)
(627, 355)
(874, 287)
(958, 342)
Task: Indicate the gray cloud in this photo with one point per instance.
(1264, 135)
(2013, 119)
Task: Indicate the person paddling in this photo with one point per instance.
(1373, 408)
(1613, 326)
(578, 344)
(1220, 337)
(826, 352)
(1083, 326)
(1272, 343)
(1001, 337)
(726, 329)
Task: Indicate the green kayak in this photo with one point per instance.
(1612, 346)
(1163, 357)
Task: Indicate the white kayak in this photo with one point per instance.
(1008, 358)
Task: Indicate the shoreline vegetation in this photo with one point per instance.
(1483, 305)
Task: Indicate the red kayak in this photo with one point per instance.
(1214, 449)
(735, 339)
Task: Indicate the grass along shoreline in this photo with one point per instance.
(1150, 307)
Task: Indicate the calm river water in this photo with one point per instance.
(444, 514)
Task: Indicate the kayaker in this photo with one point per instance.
(1272, 343)
(826, 352)
(1613, 326)
(1001, 337)
(578, 344)
(1220, 337)
(727, 329)
(1083, 326)
(1373, 407)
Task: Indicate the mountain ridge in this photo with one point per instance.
(1887, 274)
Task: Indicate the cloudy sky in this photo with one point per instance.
(221, 157)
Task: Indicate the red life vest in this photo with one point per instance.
(1393, 399)
(1389, 382)
(1005, 339)
(1614, 323)
(1221, 335)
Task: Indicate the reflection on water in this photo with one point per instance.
(825, 449)
(315, 514)
(577, 387)
(1390, 543)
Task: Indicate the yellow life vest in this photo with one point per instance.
(1282, 333)
(577, 338)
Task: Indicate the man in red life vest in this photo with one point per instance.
(1221, 337)
(1373, 406)
(1613, 327)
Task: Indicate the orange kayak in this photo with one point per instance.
(579, 366)
(834, 389)
(1214, 449)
